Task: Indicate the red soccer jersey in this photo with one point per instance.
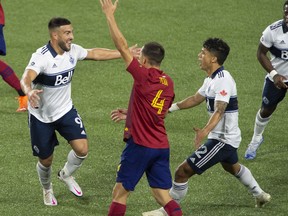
(2, 17)
(152, 95)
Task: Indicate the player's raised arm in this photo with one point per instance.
(120, 42)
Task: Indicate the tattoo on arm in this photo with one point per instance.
(220, 107)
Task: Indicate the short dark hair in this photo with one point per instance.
(56, 22)
(217, 47)
(154, 52)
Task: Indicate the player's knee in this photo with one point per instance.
(266, 112)
(83, 152)
(80, 148)
(47, 162)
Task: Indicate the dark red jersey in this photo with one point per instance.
(2, 17)
(152, 95)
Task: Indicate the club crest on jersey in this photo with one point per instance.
(163, 80)
(72, 60)
(63, 79)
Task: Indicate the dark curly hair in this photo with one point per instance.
(217, 47)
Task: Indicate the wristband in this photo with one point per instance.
(272, 73)
(174, 107)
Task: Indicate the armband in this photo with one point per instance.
(174, 107)
(272, 73)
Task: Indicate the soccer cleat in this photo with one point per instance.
(262, 199)
(71, 184)
(250, 153)
(49, 198)
(157, 212)
(23, 104)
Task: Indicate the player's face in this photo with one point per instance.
(206, 59)
(286, 14)
(65, 37)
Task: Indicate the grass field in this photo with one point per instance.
(98, 87)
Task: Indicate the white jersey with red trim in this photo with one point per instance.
(54, 77)
(222, 87)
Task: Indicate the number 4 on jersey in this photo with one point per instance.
(156, 103)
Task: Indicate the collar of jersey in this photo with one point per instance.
(284, 27)
(51, 49)
(217, 71)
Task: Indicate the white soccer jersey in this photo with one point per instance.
(55, 74)
(222, 87)
(275, 37)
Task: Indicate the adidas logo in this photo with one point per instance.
(54, 66)
(83, 132)
(282, 42)
(192, 160)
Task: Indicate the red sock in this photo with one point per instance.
(117, 209)
(173, 209)
(9, 76)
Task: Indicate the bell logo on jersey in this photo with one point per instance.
(284, 54)
(63, 79)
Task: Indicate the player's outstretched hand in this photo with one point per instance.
(135, 51)
(108, 7)
(34, 98)
(118, 115)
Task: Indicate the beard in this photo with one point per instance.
(63, 46)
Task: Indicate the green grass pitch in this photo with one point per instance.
(98, 87)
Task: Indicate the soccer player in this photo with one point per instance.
(224, 136)
(147, 147)
(275, 41)
(6, 72)
(47, 83)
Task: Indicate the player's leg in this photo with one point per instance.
(43, 140)
(160, 180)
(134, 161)
(169, 206)
(271, 96)
(76, 156)
(44, 170)
(202, 159)
(180, 184)
(10, 77)
(244, 175)
(71, 127)
(194, 164)
(74, 162)
(118, 205)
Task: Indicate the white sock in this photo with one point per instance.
(178, 191)
(44, 174)
(72, 164)
(246, 178)
(259, 127)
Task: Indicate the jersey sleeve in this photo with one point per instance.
(223, 89)
(37, 63)
(203, 88)
(138, 72)
(266, 38)
(80, 52)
